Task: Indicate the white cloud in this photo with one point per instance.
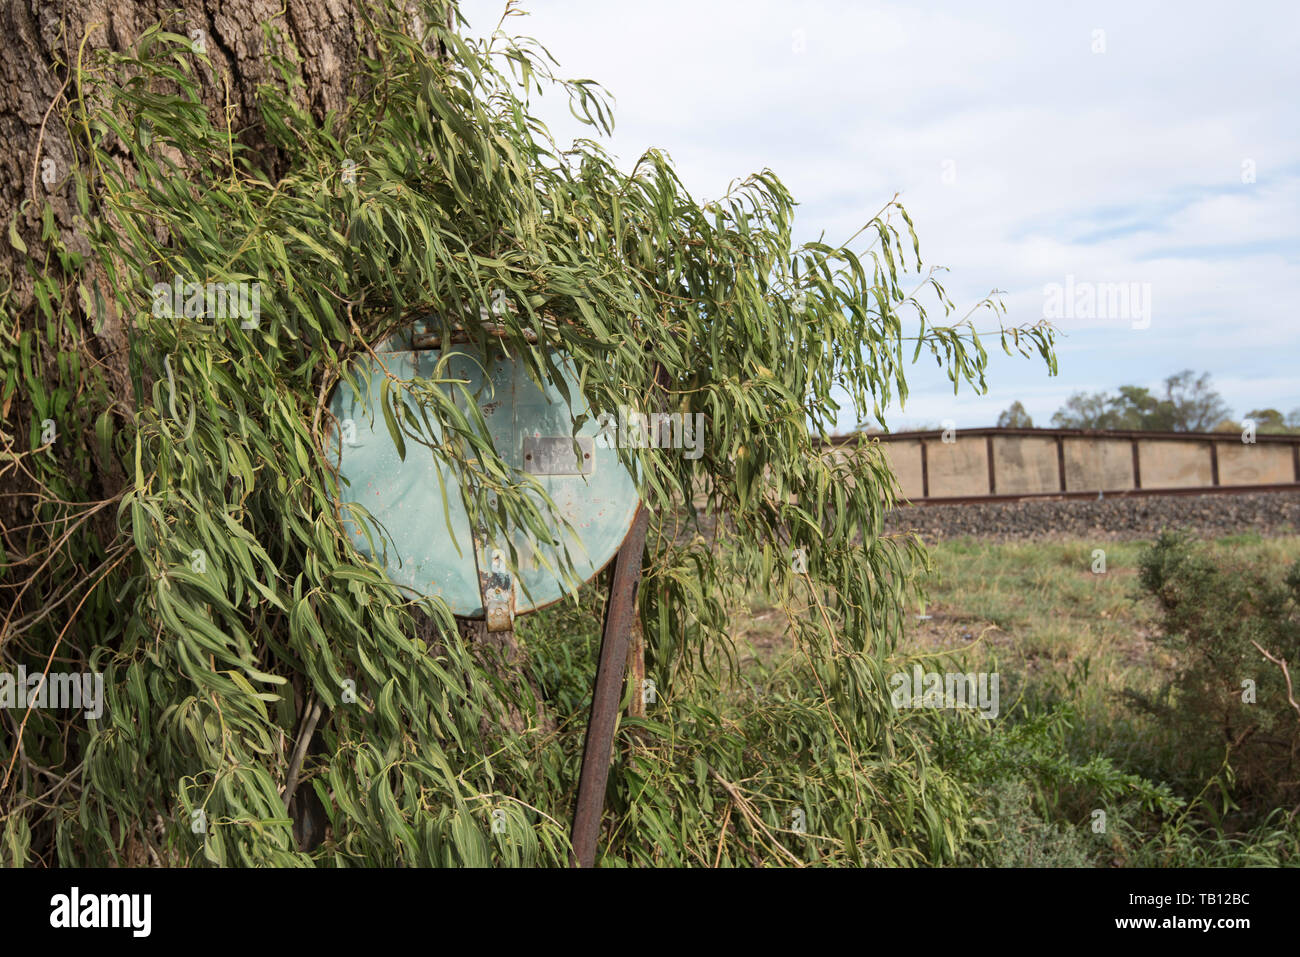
(1119, 166)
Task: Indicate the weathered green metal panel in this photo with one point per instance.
(597, 496)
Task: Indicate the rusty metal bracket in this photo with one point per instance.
(497, 587)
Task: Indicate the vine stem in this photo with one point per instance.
(49, 661)
(300, 752)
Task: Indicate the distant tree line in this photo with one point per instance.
(1188, 404)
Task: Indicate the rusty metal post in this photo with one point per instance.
(925, 471)
(620, 619)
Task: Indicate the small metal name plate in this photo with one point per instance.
(554, 455)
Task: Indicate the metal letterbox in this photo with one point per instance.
(430, 547)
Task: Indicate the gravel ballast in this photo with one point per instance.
(1112, 518)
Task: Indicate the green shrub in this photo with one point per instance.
(1217, 615)
(1020, 837)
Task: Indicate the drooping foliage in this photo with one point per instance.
(182, 536)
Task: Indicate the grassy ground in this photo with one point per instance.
(1068, 636)
(1040, 609)
(1072, 642)
(1053, 612)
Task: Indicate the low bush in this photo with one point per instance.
(1224, 701)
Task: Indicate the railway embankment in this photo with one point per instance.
(1113, 517)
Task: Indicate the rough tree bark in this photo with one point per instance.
(39, 45)
(40, 42)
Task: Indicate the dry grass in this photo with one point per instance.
(1035, 609)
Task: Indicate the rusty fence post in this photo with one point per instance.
(620, 619)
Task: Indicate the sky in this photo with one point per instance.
(1130, 171)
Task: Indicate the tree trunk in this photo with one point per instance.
(499, 653)
(40, 43)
